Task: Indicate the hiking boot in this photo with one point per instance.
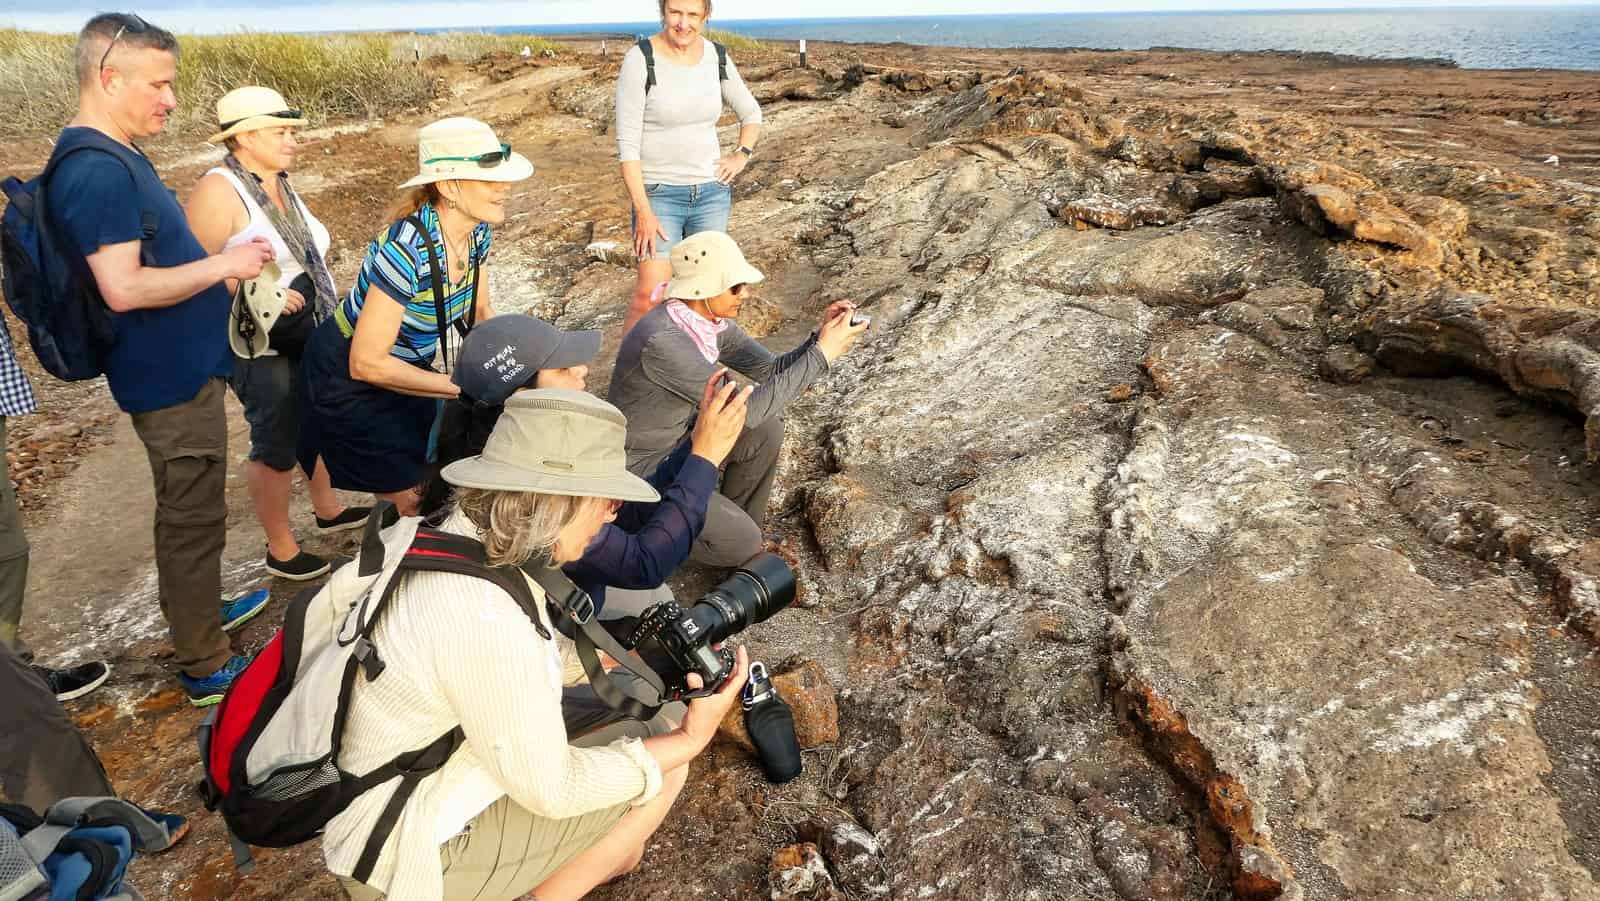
(302, 567)
(351, 518)
(244, 608)
(74, 681)
(208, 690)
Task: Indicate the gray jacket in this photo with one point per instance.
(660, 375)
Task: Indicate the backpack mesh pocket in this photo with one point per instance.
(288, 785)
(19, 875)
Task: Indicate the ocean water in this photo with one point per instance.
(1550, 37)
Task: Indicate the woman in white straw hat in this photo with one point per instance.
(520, 807)
(247, 197)
(371, 384)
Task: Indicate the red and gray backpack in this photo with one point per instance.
(270, 750)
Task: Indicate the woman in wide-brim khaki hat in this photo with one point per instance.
(377, 369)
(547, 812)
(249, 197)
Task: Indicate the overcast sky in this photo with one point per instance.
(301, 15)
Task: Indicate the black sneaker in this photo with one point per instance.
(303, 567)
(351, 518)
(74, 681)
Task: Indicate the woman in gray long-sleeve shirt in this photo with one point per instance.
(665, 361)
(668, 104)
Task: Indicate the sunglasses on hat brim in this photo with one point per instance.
(484, 160)
(281, 114)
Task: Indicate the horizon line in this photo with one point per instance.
(1368, 6)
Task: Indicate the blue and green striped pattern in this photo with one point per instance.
(397, 265)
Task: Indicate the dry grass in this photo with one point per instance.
(329, 76)
(735, 42)
(467, 46)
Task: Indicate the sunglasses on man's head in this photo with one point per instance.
(281, 114)
(130, 22)
(484, 160)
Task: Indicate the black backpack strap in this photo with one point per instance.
(465, 325)
(649, 64)
(412, 768)
(371, 559)
(439, 308)
(722, 61)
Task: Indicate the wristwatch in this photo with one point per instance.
(748, 153)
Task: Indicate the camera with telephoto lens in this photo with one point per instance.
(675, 642)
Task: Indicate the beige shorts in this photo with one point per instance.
(507, 851)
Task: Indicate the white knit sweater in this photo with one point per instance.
(460, 650)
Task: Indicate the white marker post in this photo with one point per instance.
(603, 53)
(802, 53)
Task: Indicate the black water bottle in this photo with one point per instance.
(770, 723)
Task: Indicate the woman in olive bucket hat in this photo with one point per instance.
(376, 371)
(248, 196)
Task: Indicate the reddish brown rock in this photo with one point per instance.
(799, 874)
(1346, 365)
(812, 699)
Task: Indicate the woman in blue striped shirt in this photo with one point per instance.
(377, 369)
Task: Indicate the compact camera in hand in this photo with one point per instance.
(674, 642)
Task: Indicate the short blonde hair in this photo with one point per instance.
(517, 526)
(662, 5)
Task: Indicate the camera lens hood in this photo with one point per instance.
(773, 582)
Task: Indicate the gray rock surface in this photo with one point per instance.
(1139, 574)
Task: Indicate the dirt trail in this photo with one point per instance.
(1018, 501)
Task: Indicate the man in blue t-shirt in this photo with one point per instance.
(171, 354)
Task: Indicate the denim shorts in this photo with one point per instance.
(684, 210)
(265, 388)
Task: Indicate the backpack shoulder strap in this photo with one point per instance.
(439, 309)
(649, 52)
(722, 60)
(436, 551)
(465, 325)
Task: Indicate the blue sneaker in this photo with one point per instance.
(244, 608)
(208, 690)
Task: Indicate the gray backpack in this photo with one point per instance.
(79, 848)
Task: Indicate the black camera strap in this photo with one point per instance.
(571, 603)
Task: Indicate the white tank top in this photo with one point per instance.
(260, 226)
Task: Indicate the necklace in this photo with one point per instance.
(456, 256)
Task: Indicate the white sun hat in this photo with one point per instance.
(467, 149)
(706, 264)
(252, 109)
(256, 308)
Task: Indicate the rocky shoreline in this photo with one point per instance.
(1209, 512)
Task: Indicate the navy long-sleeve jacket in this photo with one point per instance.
(647, 542)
